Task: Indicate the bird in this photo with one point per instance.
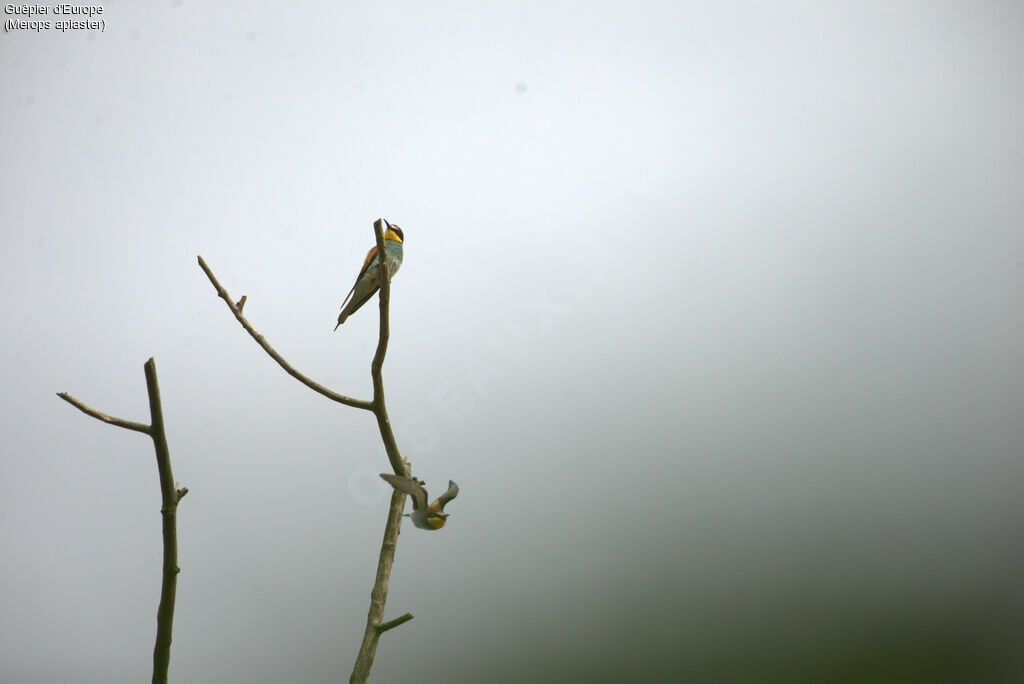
(425, 517)
(368, 281)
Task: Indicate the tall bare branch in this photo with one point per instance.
(380, 409)
(375, 625)
(170, 496)
(379, 593)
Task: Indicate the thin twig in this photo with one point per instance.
(260, 340)
(88, 410)
(391, 624)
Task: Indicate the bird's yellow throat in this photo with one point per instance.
(391, 235)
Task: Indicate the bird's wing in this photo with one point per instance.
(366, 264)
(453, 491)
(350, 307)
(340, 318)
(410, 487)
(354, 306)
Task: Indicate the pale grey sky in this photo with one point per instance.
(713, 311)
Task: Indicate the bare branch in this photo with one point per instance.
(169, 511)
(236, 309)
(170, 496)
(379, 594)
(391, 624)
(392, 528)
(88, 410)
(385, 324)
(377, 366)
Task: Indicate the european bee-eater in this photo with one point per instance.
(368, 281)
(425, 517)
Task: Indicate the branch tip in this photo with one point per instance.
(391, 624)
(99, 415)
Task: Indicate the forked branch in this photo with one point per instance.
(170, 496)
(375, 626)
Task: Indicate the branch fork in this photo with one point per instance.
(170, 495)
(378, 596)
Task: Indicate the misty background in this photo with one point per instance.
(713, 311)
